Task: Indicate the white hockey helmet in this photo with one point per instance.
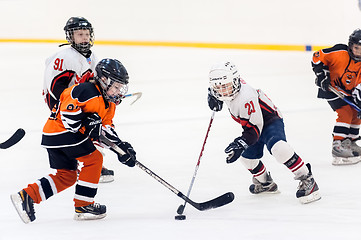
(224, 81)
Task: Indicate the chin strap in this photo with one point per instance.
(64, 44)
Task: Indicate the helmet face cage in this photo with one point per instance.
(107, 84)
(79, 23)
(224, 81)
(113, 79)
(355, 38)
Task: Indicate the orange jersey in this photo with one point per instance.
(65, 128)
(344, 71)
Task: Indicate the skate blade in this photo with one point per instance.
(310, 198)
(88, 216)
(267, 192)
(17, 202)
(337, 161)
(106, 179)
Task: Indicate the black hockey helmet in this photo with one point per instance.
(108, 72)
(355, 38)
(76, 23)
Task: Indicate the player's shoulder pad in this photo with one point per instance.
(69, 53)
(336, 48)
(248, 93)
(85, 91)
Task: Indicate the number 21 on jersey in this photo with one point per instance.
(250, 107)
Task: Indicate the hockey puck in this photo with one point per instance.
(180, 217)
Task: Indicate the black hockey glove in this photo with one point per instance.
(129, 157)
(93, 126)
(323, 79)
(235, 149)
(213, 103)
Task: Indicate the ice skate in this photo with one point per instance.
(307, 189)
(268, 187)
(344, 152)
(355, 147)
(106, 176)
(24, 205)
(90, 212)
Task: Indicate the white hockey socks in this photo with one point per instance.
(285, 154)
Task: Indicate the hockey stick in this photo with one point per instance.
(136, 94)
(15, 138)
(180, 209)
(214, 203)
(343, 97)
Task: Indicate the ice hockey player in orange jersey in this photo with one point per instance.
(83, 113)
(339, 67)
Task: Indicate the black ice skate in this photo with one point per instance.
(268, 187)
(345, 152)
(307, 189)
(106, 176)
(90, 212)
(24, 205)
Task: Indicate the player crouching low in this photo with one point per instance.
(263, 125)
(84, 110)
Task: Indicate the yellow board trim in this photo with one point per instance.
(275, 47)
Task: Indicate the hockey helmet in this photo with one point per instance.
(355, 38)
(224, 81)
(113, 79)
(76, 23)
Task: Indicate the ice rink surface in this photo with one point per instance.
(167, 127)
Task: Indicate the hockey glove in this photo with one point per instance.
(129, 157)
(213, 103)
(235, 149)
(322, 72)
(93, 126)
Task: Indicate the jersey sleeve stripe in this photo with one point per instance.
(72, 120)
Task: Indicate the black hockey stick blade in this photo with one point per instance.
(214, 203)
(15, 138)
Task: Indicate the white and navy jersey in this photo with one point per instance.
(63, 70)
(253, 110)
